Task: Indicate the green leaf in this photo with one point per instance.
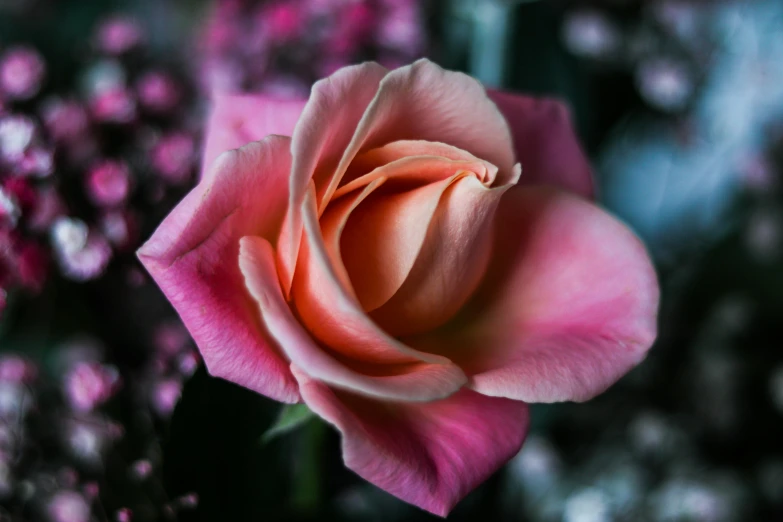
(291, 417)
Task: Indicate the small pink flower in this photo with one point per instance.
(114, 105)
(81, 253)
(282, 21)
(188, 501)
(88, 438)
(20, 191)
(392, 266)
(170, 338)
(108, 183)
(187, 363)
(36, 161)
(21, 73)
(32, 265)
(173, 157)
(48, 207)
(16, 134)
(141, 469)
(401, 29)
(165, 396)
(120, 228)
(119, 35)
(68, 506)
(90, 384)
(9, 208)
(65, 120)
(158, 92)
(16, 369)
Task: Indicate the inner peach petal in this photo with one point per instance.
(332, 226)
(378, 157)
(423, 102)
(450, 265)
(335, 319)
(413, 171)
(384, 235)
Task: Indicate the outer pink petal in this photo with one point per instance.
(192, 256)
(570, 306)
(424, 102)
(239, 119)
(328, 122)
(431, 454)
(545, 143)
(412, 382)
(450, 264)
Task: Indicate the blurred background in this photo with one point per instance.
(106, 413)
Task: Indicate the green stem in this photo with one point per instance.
(307, 490)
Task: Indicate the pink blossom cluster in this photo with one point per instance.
(281, 47)
(70, 405)
(79, 169)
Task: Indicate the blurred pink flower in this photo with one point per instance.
(165, 396)
(282, 21)
(68, 506)
(173, 157)
(90, 384)
(108, 183)
(16, 369)
(21, 73)
(118, 35)
(158, 92)
(83, 254)
(115, 105)
(120, 228)
(65, 120)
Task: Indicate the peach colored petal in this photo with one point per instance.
(328, 121)
(384, 236)
(239, 119)
(430, 455)
(372, 159)
(413, 382)
(545, 143)
(413, 171)
(451, 263)
(424, 102)
(335, 318)
(570, 307)
(332, 225)
(192, 256)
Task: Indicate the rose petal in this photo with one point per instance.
(545, 143)
(451, 263)
(192, 256)
(385, 235)
(570, 307)
(411, 382)
(412, 171)
(373, 159)
(334, 317)
(328, 121)
(424, 102)
(431, 454)
(239, 119)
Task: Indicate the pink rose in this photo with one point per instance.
(390, 265)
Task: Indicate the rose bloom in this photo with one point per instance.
(392, 266)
